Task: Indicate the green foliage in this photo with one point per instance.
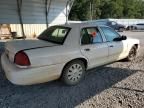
(80, 10)
(99, 9)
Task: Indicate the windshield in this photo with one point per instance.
(55, 34)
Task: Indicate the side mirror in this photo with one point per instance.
(123, 37)
(120, 38)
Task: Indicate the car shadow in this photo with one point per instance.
(57, 95)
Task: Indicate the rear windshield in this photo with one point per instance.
(55, 34)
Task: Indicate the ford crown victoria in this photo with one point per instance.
(65, 52)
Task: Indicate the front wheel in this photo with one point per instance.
(132, 53)
(73, 72)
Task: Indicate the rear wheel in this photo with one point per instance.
(73, 72)
(132, 53)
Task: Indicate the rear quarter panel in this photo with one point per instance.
(60, 54)
(52, 55)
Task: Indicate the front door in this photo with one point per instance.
(93, 47)
(116, 48)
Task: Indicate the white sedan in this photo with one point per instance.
(66, 52)
(139, 26)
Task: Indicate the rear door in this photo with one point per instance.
(93, 47)
(116, 49)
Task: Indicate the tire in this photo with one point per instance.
(73, 72)
(132, 54)
(128, 28)
(135, 28)
(132, 28)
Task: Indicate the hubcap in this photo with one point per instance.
(75, 72)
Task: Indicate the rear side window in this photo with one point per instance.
(90, 36)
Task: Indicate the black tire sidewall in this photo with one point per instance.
(132, 58)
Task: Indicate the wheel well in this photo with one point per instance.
(81, 59)
(136, 45)
(84, 61)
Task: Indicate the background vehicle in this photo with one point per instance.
(139, 26)
(66, 52)
(112, 24)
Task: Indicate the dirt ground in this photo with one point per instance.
(118, 85)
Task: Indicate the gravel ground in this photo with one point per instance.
(119, 85)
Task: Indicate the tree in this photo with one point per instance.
(96, 12)
(142, 10)
(80, 10)
(107, 9)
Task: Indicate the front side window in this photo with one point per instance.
(90, 36)
(55, 34)
(109, 33)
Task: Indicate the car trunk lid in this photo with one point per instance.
(12, 47)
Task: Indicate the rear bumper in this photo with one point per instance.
(30, 76)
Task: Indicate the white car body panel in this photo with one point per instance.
(48, 59)
(12, 47)
(53, 55)
(30, 76)
(95, 56)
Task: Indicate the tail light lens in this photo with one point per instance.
(21, 59)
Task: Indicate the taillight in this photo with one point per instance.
(21, 59)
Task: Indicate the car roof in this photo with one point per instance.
(82, 25)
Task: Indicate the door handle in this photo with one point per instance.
(111, 46)
(87, 49)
